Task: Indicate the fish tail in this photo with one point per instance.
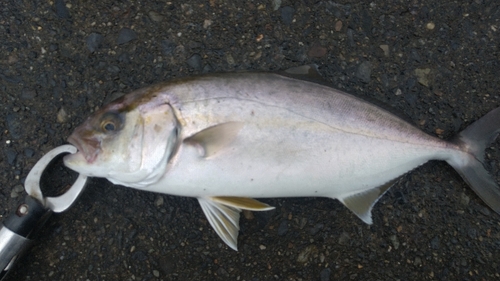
(470, 165)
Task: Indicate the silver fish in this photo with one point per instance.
(228, 138)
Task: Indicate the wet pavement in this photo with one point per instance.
(436, 61)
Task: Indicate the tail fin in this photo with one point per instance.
(474, 140)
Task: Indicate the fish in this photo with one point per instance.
(226, 139)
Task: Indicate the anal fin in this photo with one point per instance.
(362, 203)
(243, 203)
(223, 215)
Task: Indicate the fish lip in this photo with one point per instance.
(89, 147)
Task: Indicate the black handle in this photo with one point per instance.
(29, 216)
(17, 229)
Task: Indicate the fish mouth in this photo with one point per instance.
(88, 147)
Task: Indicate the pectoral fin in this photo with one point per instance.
(223, 215)
(215, 138)
(362, 203)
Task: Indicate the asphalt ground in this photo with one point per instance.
(436, 61)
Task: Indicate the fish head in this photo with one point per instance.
(129, 142)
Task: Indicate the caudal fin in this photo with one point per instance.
(474, 140)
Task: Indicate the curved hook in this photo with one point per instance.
(32, 184)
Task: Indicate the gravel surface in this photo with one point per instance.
(436, 61)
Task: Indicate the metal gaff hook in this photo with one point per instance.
(32, 183)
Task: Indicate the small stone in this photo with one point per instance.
(159, 201)
(126, 35)
(61, 9)
(229, 59)
(395, 241)
(435, 243)
(262, 247)
(14, 125)
(364, 71)
(248, 214)
(430, 25)
(154, 16)
(283, 228)
(325, 274)
(276, 5)
(344, 238)
(28, 152)
(485, 211)
(156, 273)
(307, 253)
(168, 46)
(338, 26)
(207, 23)
(94, 40)
(62, 116)
(439, 131)
(417, 261)
(287, 14)
(195, 62)
(385, 48)
(28, 94)
(422, 76)
(317, 51)
(16, 191)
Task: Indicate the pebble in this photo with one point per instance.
(14, 125)
(94, 40)
(350, 37)
(385, 48)
(61, 9)
(464, 199)
(325, 274)
(126, 35)
(28, 152)
(168, 46)
(262, 247)
(317, 51)
(364, 71)
(159, 201)
(344, 238)
(207, 23)
(156, 273)
(195, 62)
(62, 116)
(287, 14)
(435, 243)
(485, 211)
(28, 94)
(430, 25)
(422, 76)
(16, 191)
(154, 16)
(338, 26)
(283, 228)
(229, 59)
(276, 5)
(395, 241)
(307, 253)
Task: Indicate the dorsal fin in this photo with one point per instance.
(306, 73)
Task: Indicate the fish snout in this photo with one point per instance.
(89, 147)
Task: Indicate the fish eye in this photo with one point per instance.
(111, 122)
(109, 126)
